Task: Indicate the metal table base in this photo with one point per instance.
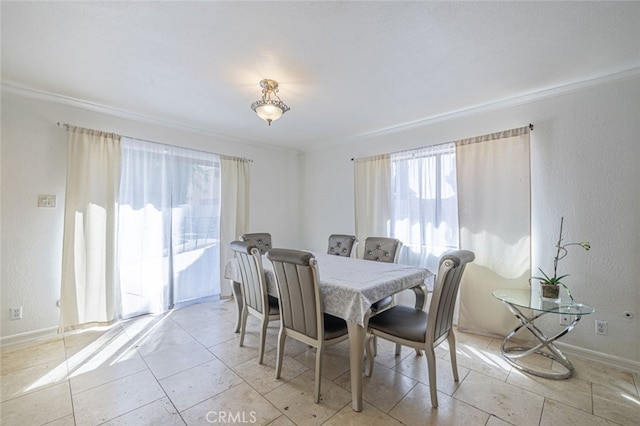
(513, 353)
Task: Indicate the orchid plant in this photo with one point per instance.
(561, 253)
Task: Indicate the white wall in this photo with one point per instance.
(585, 154)
(34, 162)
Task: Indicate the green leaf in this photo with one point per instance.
(550, 280)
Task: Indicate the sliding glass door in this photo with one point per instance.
(168, 227)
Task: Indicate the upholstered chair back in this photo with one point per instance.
(297, 277)
(445, 291)
(262, 240)
(382, 249)
(342, 245)
(254, 288)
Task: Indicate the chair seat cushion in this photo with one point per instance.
(274, 306)
(401, 321)
(381, 304)
(334, 327)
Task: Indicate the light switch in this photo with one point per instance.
(47, 201)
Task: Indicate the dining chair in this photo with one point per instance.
(261, 239)
(254, 291)
(342, 245)
(382, 249)
(421, 330)
(302, 314)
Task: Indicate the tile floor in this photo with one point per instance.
(185, 367)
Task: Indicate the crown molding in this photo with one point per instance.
(537, 95)
(42, 95)
(549, 92)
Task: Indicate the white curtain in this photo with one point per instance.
(495, 223)
(89, 279)
(168, 237)
(142, 228)
(372, 198)
(234, 217)
(424, 214)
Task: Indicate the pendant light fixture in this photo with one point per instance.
(269, 109)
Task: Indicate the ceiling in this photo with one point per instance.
(346, 69)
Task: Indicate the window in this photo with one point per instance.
(424, 212)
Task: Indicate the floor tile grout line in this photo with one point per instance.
(137, 408)
(546, 399)
(402, 399)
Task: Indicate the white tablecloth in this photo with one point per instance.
(349, 286)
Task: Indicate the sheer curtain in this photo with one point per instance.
(89, 279)
(168, 234)
(234, 217)
(141, 228)
(372, 198)
(495, 223)
(473, 194)
(424, 213)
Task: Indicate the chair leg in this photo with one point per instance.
(368, 346)
(367, 316)
(451, 339)
(243, 324)
(280, 352)
(319, 351)
(237, 295)
(431, 366)
(263, 337)
(374, 352)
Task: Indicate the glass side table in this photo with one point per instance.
(517, 301)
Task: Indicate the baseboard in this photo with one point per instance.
(610, 360)
(30, 336)
(588, 354)
(50, 332)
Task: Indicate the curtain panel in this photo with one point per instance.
(494, 207)
(164, 232)
(234, 214)
(372, 198)
(490, 175)
(89, 279)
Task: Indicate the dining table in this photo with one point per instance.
(348, 288)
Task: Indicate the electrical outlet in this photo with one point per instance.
(565, 319)
(602, 327)
(15, 313)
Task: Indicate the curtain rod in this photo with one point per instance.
(68, 126)
(445, 143)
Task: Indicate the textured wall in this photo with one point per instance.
(585, 155)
